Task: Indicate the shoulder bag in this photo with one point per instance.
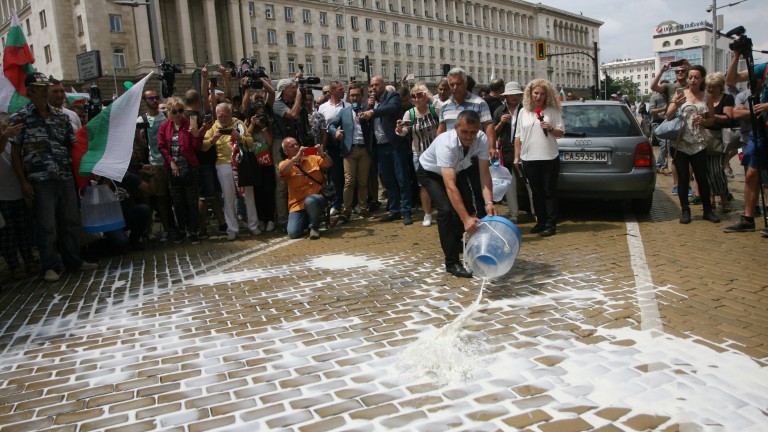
(328, 191)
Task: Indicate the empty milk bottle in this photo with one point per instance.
(491, 251)
(101, 210)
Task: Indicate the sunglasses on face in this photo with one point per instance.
(680, 71)
(152, 98)
(177, 111)
(417, 95)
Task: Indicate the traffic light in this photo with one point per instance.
(446, 69)
(541, 50)
(361, 65)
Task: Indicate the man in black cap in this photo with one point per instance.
(41, 162)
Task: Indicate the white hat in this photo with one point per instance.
(512, 88)
(282, 85)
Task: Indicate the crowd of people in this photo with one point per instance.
(273, 158)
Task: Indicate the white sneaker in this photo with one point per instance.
(334, 211)
(256, 231)
(51, 276)
(231, 235)
(314, 234)
(270, 226)
(427, 220)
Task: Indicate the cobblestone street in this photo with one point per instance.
(614, 324)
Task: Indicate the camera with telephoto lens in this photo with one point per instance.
(262, 118)
(168, 73)
(252, 73)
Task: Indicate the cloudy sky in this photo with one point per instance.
(629, 24)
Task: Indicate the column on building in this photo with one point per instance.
(143, 40)
(236, 32)
(184, 20)
(245, 19)
(211, 31)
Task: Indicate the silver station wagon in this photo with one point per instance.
(604, 155)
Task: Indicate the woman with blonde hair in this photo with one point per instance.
(421, 121)
(539, 125)
(722, 118)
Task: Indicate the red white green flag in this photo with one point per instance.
(17, 64)
(104, 146)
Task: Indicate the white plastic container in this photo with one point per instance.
(491, 251)
(101, 210)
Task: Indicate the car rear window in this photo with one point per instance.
(599, 121)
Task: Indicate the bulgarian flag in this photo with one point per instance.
(75, 98)
(17, 64)
(104, 145)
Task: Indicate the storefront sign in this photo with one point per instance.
(682, 27)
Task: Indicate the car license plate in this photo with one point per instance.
(584, 156)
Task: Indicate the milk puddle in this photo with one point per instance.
(445, 355)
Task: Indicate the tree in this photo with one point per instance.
(624, 85)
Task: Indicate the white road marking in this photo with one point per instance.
(650, 318)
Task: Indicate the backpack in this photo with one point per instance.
(412, 113)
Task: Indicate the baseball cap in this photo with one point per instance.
(282, 85)
(36, 79)
(512, 88)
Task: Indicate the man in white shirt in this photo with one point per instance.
(444, 172)
(330, 109)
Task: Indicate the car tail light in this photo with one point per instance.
(643, 155)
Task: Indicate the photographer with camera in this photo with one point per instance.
(754, 156)
(287, 109)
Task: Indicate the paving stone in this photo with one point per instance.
(104, 422)
(645, 422)
(324, 425)
(338, 408)
(612, 413)
(78, 416)
(527, 419)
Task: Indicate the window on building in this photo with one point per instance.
(339, 20)
(48, 55)
(118, 58)
(383, 47)
(383, 69)
(421, 50)
(269, 11)
(431, 52)
(419, 33)
(254, 35)
(325, 41)
(273, 65)
(368, 24)
(326, 67)
(115, 23)
(289, 38)
(80, 29)
(291, 65)
(397, 48)
(678, 42)
(430, 33)
(307, 39)
(271, 36)
(342, 67)
(409, 68)
(382, 26)
(288, 13)
(407, 29)
(29, 28)
(440, 34)
(306, 16)
(453, 54)
(251, 9)
(370, 45)
(408, 49)
(310, 68)
(666, 44)
(323, 18)
(356, 44)
(340, 42)
(461, 37)
(397, 69)
(450, 36)
(353, 22)
(395, 28)
(43, 20)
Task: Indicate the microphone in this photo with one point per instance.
(541, 119)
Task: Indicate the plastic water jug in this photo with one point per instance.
(101, 210)
(491, 251)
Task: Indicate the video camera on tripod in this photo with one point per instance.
(248, 70)
(168, 73)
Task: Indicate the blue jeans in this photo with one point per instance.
(58, 224)
(300, 220)
(394, 174)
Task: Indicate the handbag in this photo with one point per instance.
(328, 191)
(248, 169)
(714, 141)
(731, 138)
(670, 129)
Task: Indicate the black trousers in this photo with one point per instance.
(542, 178)
(449, 225)
(699, 163)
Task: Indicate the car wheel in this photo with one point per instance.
(642, 205)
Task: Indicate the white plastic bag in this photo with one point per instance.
(502, 179)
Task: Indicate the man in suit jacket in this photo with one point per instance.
(391, 149)
(346, 128)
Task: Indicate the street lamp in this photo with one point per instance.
(713, 8)
(346, 33)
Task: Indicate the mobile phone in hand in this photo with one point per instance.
(677, 63)
(227, 131)
(310, 151)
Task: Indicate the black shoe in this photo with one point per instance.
(372, 207)
(407, 220)
(685, 217)
(538, 228)
(458, 270)
(548, 232)
(711, 217)
(743, 225)
(390, 217)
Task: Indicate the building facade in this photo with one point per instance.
(640, 72)
(693, 42)
(327, 38)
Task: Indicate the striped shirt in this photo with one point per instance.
(451, 110)
(422, 131)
